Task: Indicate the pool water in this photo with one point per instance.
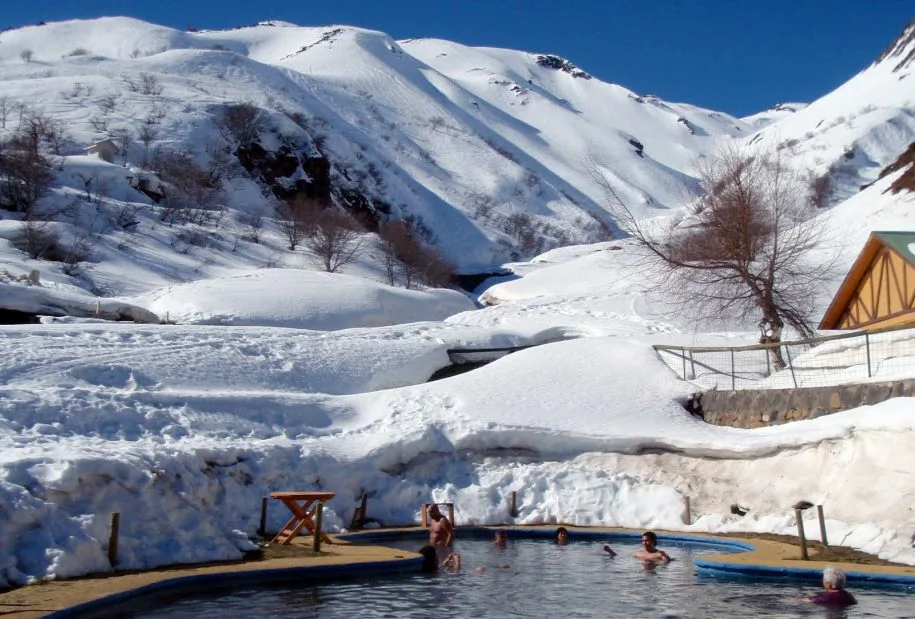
(541, 580)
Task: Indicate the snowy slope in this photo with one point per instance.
(453, 146)
(853, 132)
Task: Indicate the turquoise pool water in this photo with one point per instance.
(541, 580)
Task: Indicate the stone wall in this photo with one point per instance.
(748, 408)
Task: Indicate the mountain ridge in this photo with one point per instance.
(489, 153)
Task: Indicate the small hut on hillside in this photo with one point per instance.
(103, 149)
(879, 290)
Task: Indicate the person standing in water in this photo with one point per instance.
(441, 532)
(650, 551)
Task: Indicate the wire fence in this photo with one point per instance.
(861, 356)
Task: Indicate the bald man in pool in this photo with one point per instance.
(441, 532)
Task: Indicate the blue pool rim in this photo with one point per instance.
(196, 582)
(704, 567)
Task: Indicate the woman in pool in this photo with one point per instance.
(562, 536)
(835, 595)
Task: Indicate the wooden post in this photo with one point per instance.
(799, 518)
(513, 510)
(689, 516)
(451, 513)
(262, 529)
(113, 532)
(319, 521)
(424, 517)
(822, 526)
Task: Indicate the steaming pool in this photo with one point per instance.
(541, 580)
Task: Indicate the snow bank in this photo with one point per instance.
(36, 299)
(99, 420)
(300, 299)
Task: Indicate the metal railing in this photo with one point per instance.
(877, 355)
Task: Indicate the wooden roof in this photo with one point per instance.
(901, 243)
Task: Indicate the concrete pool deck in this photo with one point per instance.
(348, 556)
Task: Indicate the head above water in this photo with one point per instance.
(562, 535)
(430, 559)
(649, 540)
(501, 536)
(833, 578)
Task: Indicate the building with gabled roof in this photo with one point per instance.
(103, 149)
(879, 290)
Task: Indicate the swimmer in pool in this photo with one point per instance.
(650, 551)
(835, 595)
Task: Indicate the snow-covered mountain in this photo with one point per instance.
(851, 134)
(490, 154)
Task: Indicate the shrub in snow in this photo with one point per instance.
(335, 241)
(242, 123)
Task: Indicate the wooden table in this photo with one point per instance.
(303, 507)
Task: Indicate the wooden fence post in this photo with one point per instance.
(113, 532)
(319, 522)
(451, 513)
(423, 515)
(513, 510)
(799, 517)
(822, 526)
(262, 529)
(689, 516)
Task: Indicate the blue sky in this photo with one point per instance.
(738, 56)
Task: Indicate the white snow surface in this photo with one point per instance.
(301, 299)
(183, 428)
(279, 377)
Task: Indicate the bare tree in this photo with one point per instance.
(5, 108)
(190, 195)
(26, 55)
(406, 259)
(743, 247)
(38, 240)
(242, 123)
(123, 137)
(298, 219)
(150, 85)
(25, 177)
(146, 134)
(336, 241)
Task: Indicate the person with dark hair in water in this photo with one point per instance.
(562, 536)
(432, 564)
(501, 539)
(650, 551)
